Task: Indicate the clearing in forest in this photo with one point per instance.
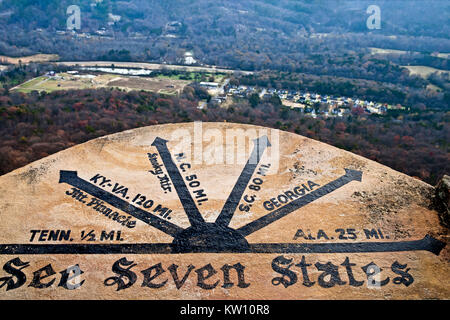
(34, 58)
(424, 71)
(66, 81)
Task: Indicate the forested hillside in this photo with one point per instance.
(330, 37)
(401, 17)
(35, 125)
(323, 46)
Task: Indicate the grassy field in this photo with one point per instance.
(65, 81)
(423, 71)
(392, 51)
(443, 55)
(433, 87)
(28, 59)
(160, 85)
(30, 85)
(195, 76)
(386, 51)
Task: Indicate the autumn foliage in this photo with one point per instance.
(33, 126)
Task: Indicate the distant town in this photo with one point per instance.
(220, 88)
(310, 103)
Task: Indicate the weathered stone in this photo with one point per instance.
(442, 200)
(135, 216)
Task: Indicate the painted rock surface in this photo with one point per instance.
(217, 211)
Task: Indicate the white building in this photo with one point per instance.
(113, 19)
(209, 85)
(189, 58)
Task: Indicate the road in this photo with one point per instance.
(36, 85)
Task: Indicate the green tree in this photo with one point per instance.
(254, 100)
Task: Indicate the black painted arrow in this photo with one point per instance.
(71, 178)
(228, 210)
(133, 248)
(428, 243)
(273, 216)
(194, 216)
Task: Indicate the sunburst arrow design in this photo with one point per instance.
(428, 243)
(350, 175)
(216, 237)
(194, 216)
(235, 196)
(71, 178)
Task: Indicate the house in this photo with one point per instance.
(101, 31)
(189, 58)
(209, 85)
(113, 19)
(216, 100)
(173, 26)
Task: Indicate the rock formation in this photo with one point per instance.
(219, 211)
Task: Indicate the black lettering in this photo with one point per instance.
(311, 185)
(161, 210)
(15, 272)
(282, 198)
(268, 205)
(148, 277)
(123, 273)
(96, 177)
(201, 277)
(322, 234)
(173, 271)
(371, 233)
(303, 266)
(274, 201)
(292, 277)
(331, 270)
(33, 234)
(199, 193)
(107, 236)
(43, 235)
(240, 274)
(405, 278)
(38, 276)
(74, 191)
(53, 235)
(348, 266)
(299, 234)
(290, 195)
